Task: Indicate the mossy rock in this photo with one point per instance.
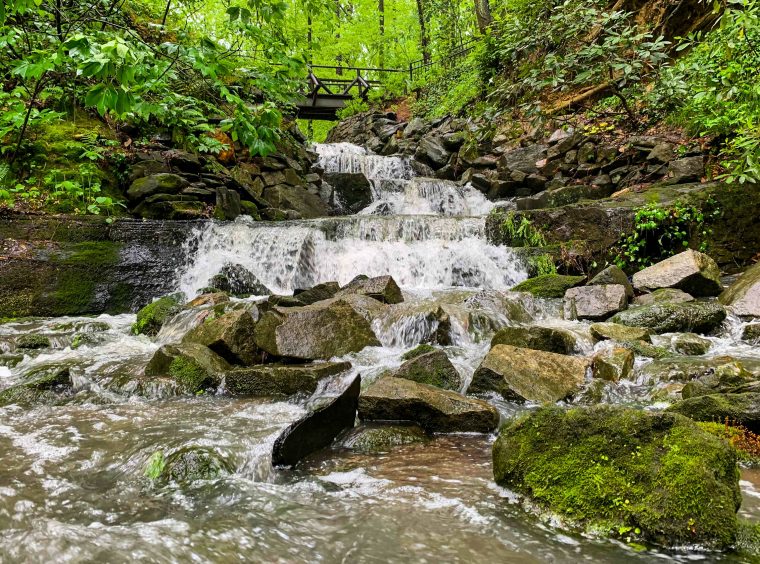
(549, 339)
(419, 350)
(47, 386)
(152, 317)
(696, 317)
(433, 368)
(549, 285)
(646, 349)
(651, 477)
(690, 344)
(32, 341)
(187, 465)
(739, 409)
(620, 333)
(380, 439)
(193, 367)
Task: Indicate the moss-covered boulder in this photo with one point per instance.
(238, 281)
(192, 366)
(315, 332)
(230, 336)
(549, 339)
(690, 344)
(317, 293)
(380, 439)
(612, 275)
(528, 375)
(624, 472)
(280, 379)
(433, 409)
(751, 333)
(686, 369)
(662, 296)
(433, 368)
(730, 376)
(740, 409)
(419, 350)
(696, 317)
(33, 341)
(381, 288)
(743, 297)
(613, 364)
(618, 332)
(549, 285)
(690, 271)
(161, 183)
(47, 385)
(187, 465)
(152, 317)
(646, 349)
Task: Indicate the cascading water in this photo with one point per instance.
(426, 233)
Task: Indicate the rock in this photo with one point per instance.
(740, 409)
(523, 159)
(619, 333)
(676, 484)
(432, 152)
(297, 199)
(315, 332)
(682, 369)
(682, 171)
(182, 209)
(380, 439)
(227, 204)
(664, 295)
(152, 317)
(433, 368)
(690, 271)
(646, 349)
(209, 298)
(751, 333)
(613, 364)
(32, 341)
(163, 183)
(696, 317)
(238, 281)
(415, 127)
(317, 293)
(691, 344)
(729, 376)
(662, 153)
(352, 190)
(560, 135)
(46, 385)
(549, 285)
(192, 366)
(528, 375)
(743, 297)
(433, 409)
(230, 336)
(187, 465)
(319, 427)
(280, 379)
(595, 302)
(612, 275)
(381, 288)
(549, 339)
(419, 350)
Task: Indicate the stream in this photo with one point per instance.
(72, 475)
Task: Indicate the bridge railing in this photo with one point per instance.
(421, 68)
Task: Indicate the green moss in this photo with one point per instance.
(642, 348)
(151, 318)
(381, 439)
(741, 408)
(92, 254)
(549, 285)
(31, 341)
(418, 351)
(40, 389)
(74, 293)
(188, 374)
(652, 477)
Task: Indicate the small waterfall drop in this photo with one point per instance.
(427, 233)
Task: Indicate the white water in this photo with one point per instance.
(429, 235)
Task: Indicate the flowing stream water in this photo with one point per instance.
(72, 475)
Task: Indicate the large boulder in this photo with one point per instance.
(315, 332)
(612, 275)
(230, 336)
(380, 439)
(690, 271)
(549, 285)
(238, 281)
(618, 332)
(162, 183)
(595, 302)
(729, 377)
(523, 159)
(152, 317)
(432, 152)
(323, 291)
(549, 339)
(743, 297)
(193, 367)
(662, 296)
(328, 415)
(690, 344)
(381, 288)
(433, 409)
(528, 375)
(740, 409)
(353, 192)
(280, 379)
(695, 317)
(47, 385)
(433, 368)
(297, 199)
(187, 465)
(653, 477)
(613, 364)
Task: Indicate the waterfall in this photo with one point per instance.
(427, 233)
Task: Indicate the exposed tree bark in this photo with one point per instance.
(424, 40)
(483, 15)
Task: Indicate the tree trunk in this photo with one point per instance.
(483, 15)
(338, 58)
(424, 41)
(381, 13)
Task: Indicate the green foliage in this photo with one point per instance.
(156, 465)
(353, 107)
(152, 316)
(542, 265)
(660, 232)
(522, 233)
